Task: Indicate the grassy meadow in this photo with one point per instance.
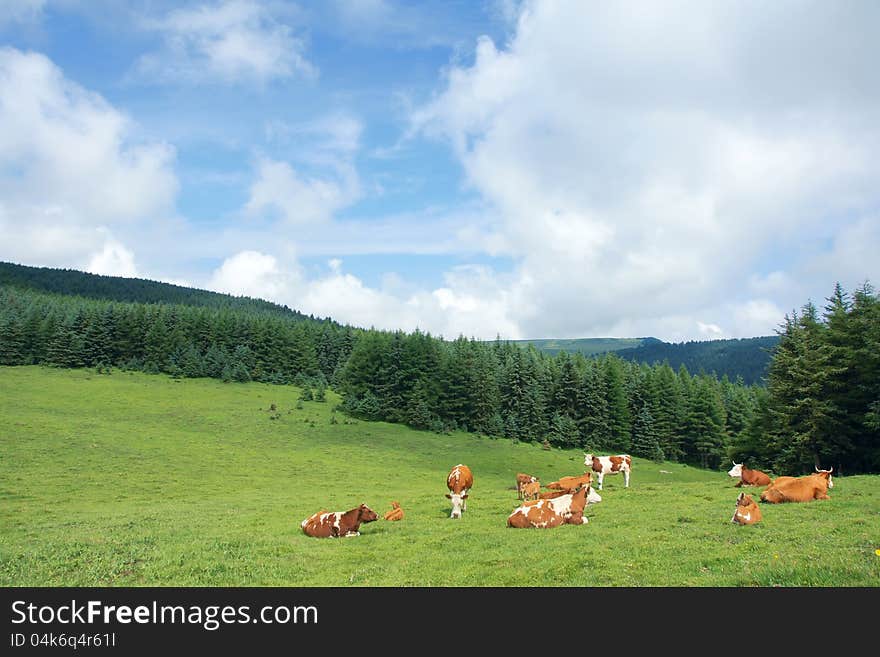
(130, 479)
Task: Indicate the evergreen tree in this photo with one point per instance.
(705, 425)
(645, 442)
(563, 431)
(592, 414)
(618, 403)
(12, 340)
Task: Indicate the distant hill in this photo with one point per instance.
(131, 290)
(746, 357)
(587, 346)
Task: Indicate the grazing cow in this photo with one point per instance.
(530, 491)
(569, 484)
(333, 524)
(567, 508)
(748, 477)
(522, 479)
(459, 481)
(747, 512)
(799, 489)
(603, 465)
(396, 512)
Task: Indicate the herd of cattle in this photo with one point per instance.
(567, 497)
(782, 489)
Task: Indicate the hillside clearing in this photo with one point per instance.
(133, 479)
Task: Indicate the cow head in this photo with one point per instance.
(366, 514)
(593, 497)
(736, 471)
(826, 474)
(588, 460)
(744, 500)
(457, 500)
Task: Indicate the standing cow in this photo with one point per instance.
(530, 491)
(521, 480)
(748, 477)
(604, 465)
(459, 481)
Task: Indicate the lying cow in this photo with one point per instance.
(530, 491)
(521, 480)
(748, 477)
(333, 524)
(747, 511)
(799, 489)
(569, 484)
(592, 496)
(459, 481)
(396, 512)
(542, 514)
(604, 465)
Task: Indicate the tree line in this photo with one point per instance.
(821, 405)
(502, 389)
(192, 341)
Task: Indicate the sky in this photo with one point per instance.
(687, 170)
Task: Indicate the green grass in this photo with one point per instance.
(131, 480)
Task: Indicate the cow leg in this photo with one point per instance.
(739, 484)
(464, 502)
(626, 478)
(601, 477)
(352, 534)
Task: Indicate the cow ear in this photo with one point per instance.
(448, 496)
(464, 497)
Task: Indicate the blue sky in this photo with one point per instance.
(687, 170)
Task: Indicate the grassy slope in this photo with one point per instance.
(133, 479)
(586, 346)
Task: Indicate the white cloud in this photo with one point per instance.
(470, 303)
(712, 330)
(113, 260)
(647, 160)
(281, 192)
(71, 166)
(228, 41)
(254, 274)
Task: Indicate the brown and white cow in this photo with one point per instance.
(521, 480)
(592, 496)
(799, 489)
(333, 524)
(530, 490)
(747, 511)
(396, 512)
(459, 481)
(604, 465)
(748, 477)
(546, 513)
(571, 483)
